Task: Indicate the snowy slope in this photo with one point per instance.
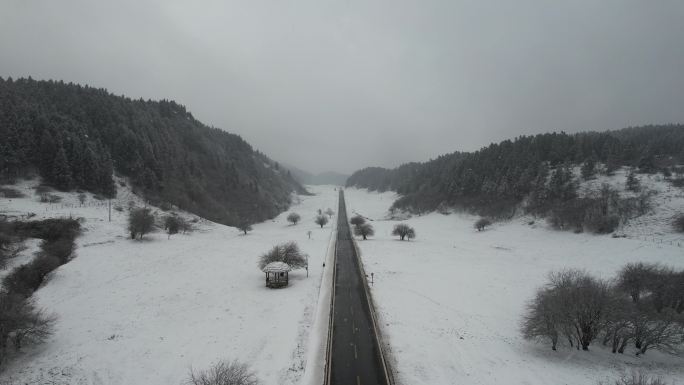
(667, 201)
(133, 312)
(450, 301)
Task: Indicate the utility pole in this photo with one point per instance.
(110, 209)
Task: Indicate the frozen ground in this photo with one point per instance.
(133, 312)
(450, 301)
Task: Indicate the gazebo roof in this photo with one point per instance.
(276, 267)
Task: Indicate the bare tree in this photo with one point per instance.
(663, 331)
(35, 328)
(585, 300)
(329, 212)
(244, 226)
(224, 373)
(140, 222)
(617, 325)
(543, 318)
(184, 225)
(404, 231)
(634, 279)
(482, 223)
(321, 220)
(21, 322)
(294, 218)
(666, 289)
(357, 220)
(288, 252)
(364, 230)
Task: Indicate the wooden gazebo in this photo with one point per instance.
(276, 274)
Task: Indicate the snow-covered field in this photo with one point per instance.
(451, 300)
(144, 312)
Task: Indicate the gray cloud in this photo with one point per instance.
(344, 84)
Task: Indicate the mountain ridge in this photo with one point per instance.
(76, 137)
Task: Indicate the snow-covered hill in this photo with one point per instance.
(667, 201)
(144, 312)
(451, 300)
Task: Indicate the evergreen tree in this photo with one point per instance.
(588, 169)
(61, 174)
(632, 183)
(47, 152)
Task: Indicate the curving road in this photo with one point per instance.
(355, 356)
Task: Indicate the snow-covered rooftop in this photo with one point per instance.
(276, 267)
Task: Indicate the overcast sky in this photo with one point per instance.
(339, 85)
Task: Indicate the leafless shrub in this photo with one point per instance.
(636, 378)
(60, 248)
(224, 373)
(26, 279)
(172, 225)
(481, 223)
(34, 328)
(543, 321)
(663, 331)
(21, 323)
(140, 222)
(618, 328)
(287, 252)
(185, 225)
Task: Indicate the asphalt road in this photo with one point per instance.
(355, 356)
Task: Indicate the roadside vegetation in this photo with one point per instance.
(361, 228)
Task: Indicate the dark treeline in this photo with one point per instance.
(497, 178)
(75, 137)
